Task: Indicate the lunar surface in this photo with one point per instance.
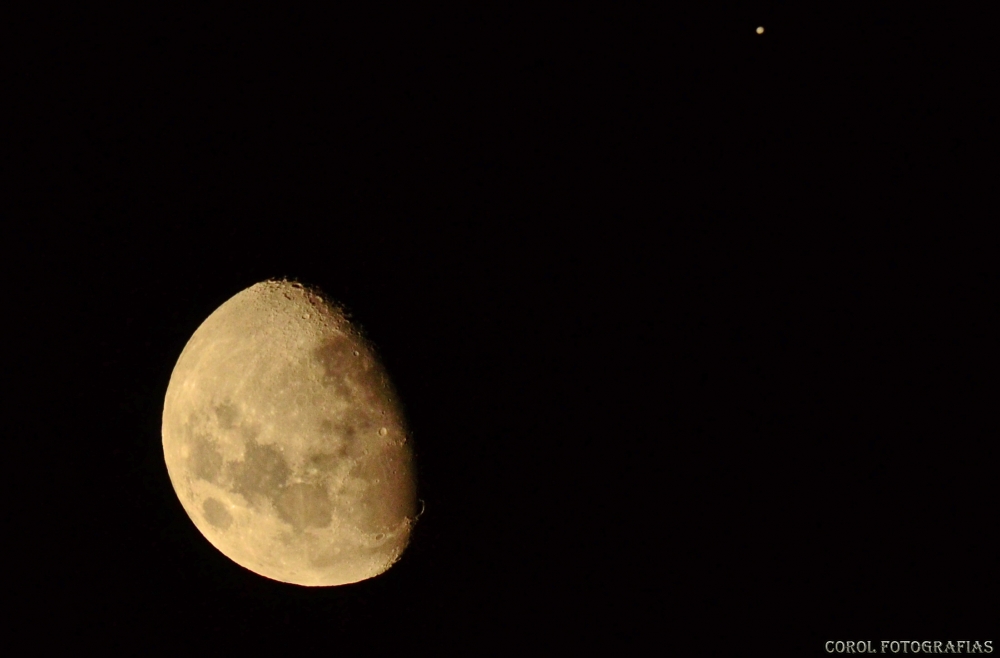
(285, 442)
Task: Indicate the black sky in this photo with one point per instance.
(694, 327)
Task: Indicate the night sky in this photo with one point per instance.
(694, 327)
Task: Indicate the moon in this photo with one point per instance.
(285, 441)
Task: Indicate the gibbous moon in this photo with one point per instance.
(285, 442)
